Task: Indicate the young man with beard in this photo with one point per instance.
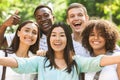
(44, 17)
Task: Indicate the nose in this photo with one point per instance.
(58, 38)
(76, 18)
(43, 18)
(96, 37)
(30, 34)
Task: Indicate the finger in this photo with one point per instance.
(16, 12)
(16, 17)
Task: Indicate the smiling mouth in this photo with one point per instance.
(77, 24)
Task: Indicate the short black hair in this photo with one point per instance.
(42, 6)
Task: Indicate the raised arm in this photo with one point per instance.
(109, 60)
(12, 20)
(118, 70)
(9, 62)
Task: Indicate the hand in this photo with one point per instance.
(41, 52)
(12, 20)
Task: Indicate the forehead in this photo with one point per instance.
(97, 29)
(58, 30)
(75, 10)
(30, 26)
(42, 10)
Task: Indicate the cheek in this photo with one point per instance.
(104, 42)
(90, 40)
(35, 37)
(51, 40)
(65, 41)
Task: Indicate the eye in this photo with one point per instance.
(101, 34)
(62, 35)
(92, 34)
(38, 17)
(46, 15)
(80, 14)
(71, 16)
(26, 30)
(34, 32)
(53, 35)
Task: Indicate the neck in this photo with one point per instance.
(99, 52)
(22, 51)
(77, 36)
(59, 55)
(60, 61)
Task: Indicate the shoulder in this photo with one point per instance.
(2, 53)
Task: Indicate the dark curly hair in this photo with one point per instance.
(108, 32)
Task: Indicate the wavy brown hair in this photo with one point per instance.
(16, 40)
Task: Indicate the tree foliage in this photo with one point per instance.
(107, 9)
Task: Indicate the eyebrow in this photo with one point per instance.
(29, 28)
(60, 32)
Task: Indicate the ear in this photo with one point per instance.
(87, 17)
(67, 21)
(18, 33)
(53, 19)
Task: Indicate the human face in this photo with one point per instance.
(58, 39)
(44, 19)
(76, 19)
(28, 34)
(96, 40)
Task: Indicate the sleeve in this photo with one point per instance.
(27, 65)
(88, 64)
(9, 38)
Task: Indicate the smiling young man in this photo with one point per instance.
(77, 17)
(44, 17)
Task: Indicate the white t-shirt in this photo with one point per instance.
(79, 49)
(107, 73)
(11, 75)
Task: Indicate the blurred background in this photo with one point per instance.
(102, 9)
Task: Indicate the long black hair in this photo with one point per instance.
(68, 51)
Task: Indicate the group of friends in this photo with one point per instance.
(90, 49)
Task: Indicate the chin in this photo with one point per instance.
(79, 30)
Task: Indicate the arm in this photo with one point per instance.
(118, 71)
(109, 60)
(8, 61)
(12, 20)
(22, 65)
(93, 64)
(3, 41)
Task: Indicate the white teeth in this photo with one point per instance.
(57, 43)
(28, 39)
(44, 24)
(96, 42)
(76, 23)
